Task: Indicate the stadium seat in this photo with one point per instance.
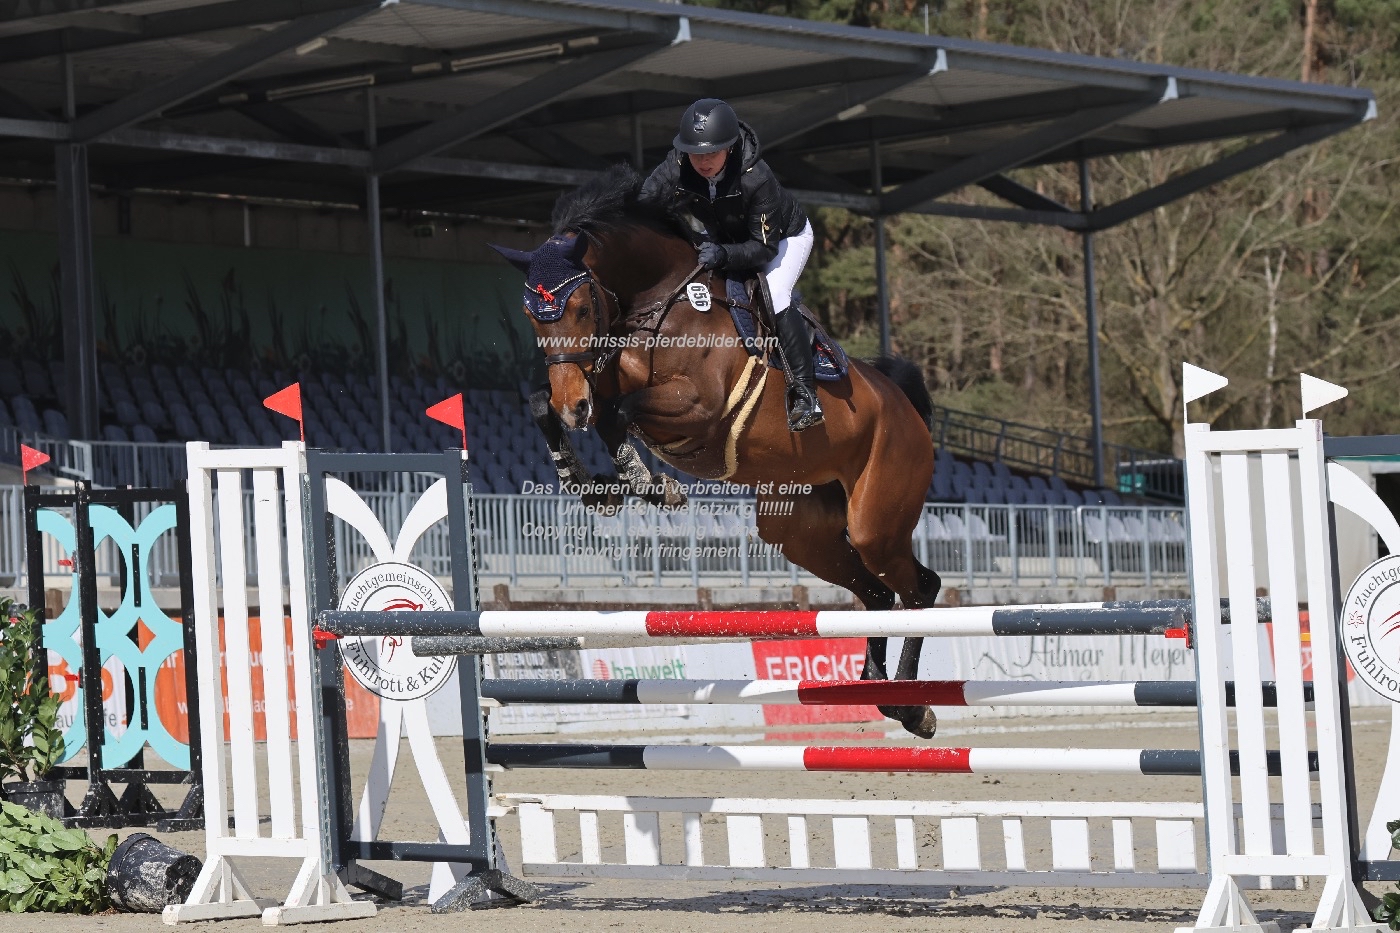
(55, 424)
(11, 384)
(36, 379)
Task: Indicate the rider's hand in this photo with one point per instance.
(712, 255)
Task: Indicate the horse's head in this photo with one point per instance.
(567, 320)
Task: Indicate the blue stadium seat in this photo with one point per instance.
(141, 434)
(55, 424)
(10, 382)
(36, 379)
(128, 414)
(185, 427)
(26, 417)
(153, 414)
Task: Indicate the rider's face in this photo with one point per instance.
(709, 164)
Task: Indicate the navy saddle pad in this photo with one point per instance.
(828, 358)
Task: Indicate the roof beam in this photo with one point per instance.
(844, 102)
(289, 124)
(507, 106)
(11, 10)
(146, 103)
(1213, 173)
(1018, 151)
(12, 105)
(558, 148)
(1018, 194)
(128, 28)
(416, 67)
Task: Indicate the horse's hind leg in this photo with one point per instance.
(810, 531)
(886, 502)
(813, 536)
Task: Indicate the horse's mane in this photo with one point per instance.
(608, 201)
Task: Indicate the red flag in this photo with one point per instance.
(29, 458)
(288, 402)
(449, 412)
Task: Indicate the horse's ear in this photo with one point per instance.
(518, 258)
(577, 248)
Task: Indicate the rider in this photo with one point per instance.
(749, 222)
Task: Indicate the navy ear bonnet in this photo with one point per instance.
(552, 273)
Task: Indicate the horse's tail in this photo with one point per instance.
(910, 380)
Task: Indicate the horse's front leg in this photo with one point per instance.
(601, 493)
(659, 489)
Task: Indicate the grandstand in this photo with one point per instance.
(149, 412)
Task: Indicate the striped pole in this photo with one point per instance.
(857, 692)
(1159, 617)
(925, 760)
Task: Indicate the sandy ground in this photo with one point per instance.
(673, 907)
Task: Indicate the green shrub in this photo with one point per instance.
(1389, 910)
(46, 867)
(30, 742)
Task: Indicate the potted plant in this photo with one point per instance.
(1388, 911)
(30, 742)
(44, 867)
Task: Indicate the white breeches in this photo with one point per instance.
(783, 271)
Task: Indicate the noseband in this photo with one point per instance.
(594, 360)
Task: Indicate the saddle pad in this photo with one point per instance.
(828, 358)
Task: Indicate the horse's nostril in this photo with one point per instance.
(582, 411)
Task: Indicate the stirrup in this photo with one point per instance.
(811, 418)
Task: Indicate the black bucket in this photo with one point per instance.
(146, 875)
(44, 797)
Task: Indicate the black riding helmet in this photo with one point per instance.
(708, 125)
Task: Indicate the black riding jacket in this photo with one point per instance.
(750, 212)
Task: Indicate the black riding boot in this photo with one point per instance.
(804, 410)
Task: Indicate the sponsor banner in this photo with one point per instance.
(644, 663)
(65, 682)
(813, 659)
(1055, 657)
(361, 706)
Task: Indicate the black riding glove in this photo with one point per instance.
(713, 256)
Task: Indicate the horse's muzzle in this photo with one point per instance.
(579, 415)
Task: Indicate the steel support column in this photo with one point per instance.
(1091, 317)
(76, 289)
(882, 288)
(376, 261)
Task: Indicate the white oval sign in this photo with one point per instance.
(699, 295)
(386, 665)
(1371, 626)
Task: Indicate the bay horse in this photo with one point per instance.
(629, 353)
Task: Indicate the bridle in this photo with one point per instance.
(605, 347)
(595, 360)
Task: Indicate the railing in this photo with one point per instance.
(1069, 456)
(1129, 470)
(554, 541)
(548, 541)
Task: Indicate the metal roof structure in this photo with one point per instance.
(492, 106)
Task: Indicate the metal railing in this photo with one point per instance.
(554, 541)
(1129, 470)
(548, 541)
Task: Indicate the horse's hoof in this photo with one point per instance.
(672, 495)
(923, 724)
